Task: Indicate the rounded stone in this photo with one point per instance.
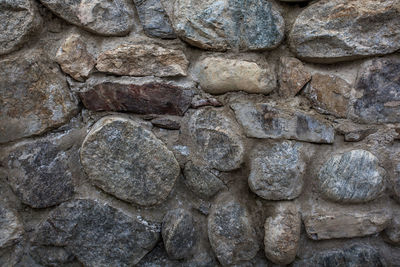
(126, 160)
(351, 177)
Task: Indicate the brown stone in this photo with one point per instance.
(292, 76)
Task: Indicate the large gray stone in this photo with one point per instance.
(337, 30)
(96, 234)
(277, 171)
(228, 24)
(351, 177)
(126, 160)
(11, 228)
(109, 18)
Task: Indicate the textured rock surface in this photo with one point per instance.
(228, 24)
(282, 233)
(128, 161)
(392, 232)
(277, 171)
(84, 226)
(231, 233)
(22, 19)
(264, 120)
(74, 58)
(352, 177)
(34, 96)
(178, 233)
(11, 228)
(143, 60)
(110, 18)
(379, 85)
(219, 75)
(292, 76)
(331, 31)
(169, 123)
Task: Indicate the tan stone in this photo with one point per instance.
(292, 76)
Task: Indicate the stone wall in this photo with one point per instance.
(199, 133)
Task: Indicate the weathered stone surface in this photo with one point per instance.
(379, 85)
(329, 94)
(218, 75)
(392, 232)
(217, 138)
(109, 18)
(167, 123)
(202, 101)
(395, 180)
(228, 24)
(143, 60)
(178, 233)
(52, 256)
(201, 181)
(74, 58)
(331, 31)
(128, 161)
(351, 177)
(230, 232)
(154, 19)
(264, 120)
(292, 76)
(11, 228)
(96, 234)
(34, 96)
(282, 233)
(277, 171)
(22, 21)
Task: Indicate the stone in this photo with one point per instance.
(230, 231)
(23, 20)
(282, 233)
(218, 75)
(108, 18)
(277, 170)
(378, 83)
(166, 123)
(11, 228)
(203, 101)
(338, 30)
(126, 160)
(143, 60)
(201, 181)
(395, 178)
(265, 120)
(178, 233)
(34, 96)
(83, 226)
(392, 232)
(351, 177)
(292, 76)
(154, 19)
(74, 59)
(217, 139)
(329, 94)
(51, 256)
(228, 24)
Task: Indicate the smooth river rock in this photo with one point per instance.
(126, 160)
(228, 24)
(292, 76)
(338, 30)
(109, 18)
(276, 171)
(11, 228)
(351, 177)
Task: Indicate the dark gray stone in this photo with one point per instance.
(52, 256)
(11, 228)
(169, 123)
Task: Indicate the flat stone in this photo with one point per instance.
(201, 181)
(178, 233)
(329, 94)
(230, 231)
(74, 59)
(351, 177)
(34, 96)
(292, 76)
(166, 123)
(143, 60)
(83, 226)
(217, 138)
(23, 20)
(282, 233)
(218, 75)
(154, 19)
(203, 101)
(379, 86)
(276, 171)
(128, 161)
(263, 120)
(228, 24)
(109, 18)
(339, 30)
(11, 228)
